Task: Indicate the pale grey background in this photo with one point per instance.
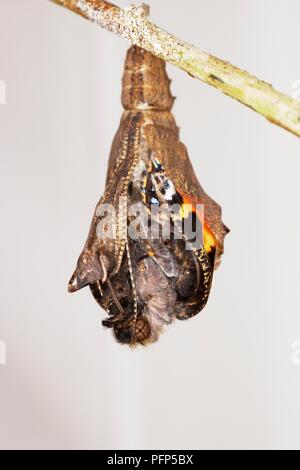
(222, 380)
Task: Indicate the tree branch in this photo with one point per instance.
(133, 24)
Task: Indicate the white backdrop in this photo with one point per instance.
(226, 379)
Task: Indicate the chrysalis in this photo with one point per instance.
(156, 236)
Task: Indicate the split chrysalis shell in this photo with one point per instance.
(145, 284)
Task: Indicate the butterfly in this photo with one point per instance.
(156, 237)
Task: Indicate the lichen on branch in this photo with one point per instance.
(133, 23)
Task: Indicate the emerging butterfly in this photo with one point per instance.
(146, 270)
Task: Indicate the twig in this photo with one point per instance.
(133, 24)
